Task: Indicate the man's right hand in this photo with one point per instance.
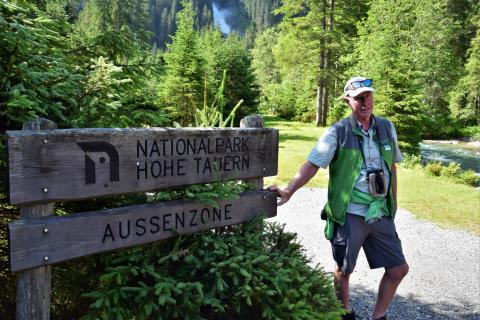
(283, 194)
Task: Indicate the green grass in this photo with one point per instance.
(437, 199)
(296, 141)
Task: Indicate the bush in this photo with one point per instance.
(470, 178)
(7, 279)
(285, 106)
(411, 161)
(238, 273)
(338, 111)
(472, 132)
(434, 168)
(451, 170)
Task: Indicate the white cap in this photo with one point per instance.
(355, 92)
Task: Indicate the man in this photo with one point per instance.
(360, 151)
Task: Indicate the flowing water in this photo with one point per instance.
(220, 18)
(467, 156)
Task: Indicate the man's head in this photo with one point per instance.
(356, 86)
(358, 94)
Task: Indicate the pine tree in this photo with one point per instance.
(408, 47)
(228, 54)
(433, 45)
(311, 40)
(266, 71)
(183, 82)
(261, 13)
(207, 17)
(465, 97)
(383, 54)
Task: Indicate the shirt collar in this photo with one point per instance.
(370, 129)
(355, 124)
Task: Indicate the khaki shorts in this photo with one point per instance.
(379, 240)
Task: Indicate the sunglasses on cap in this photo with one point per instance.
(360, 83)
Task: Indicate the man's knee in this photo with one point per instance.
(397, 273)
(339, 274)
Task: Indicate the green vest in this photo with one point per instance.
(344, 169)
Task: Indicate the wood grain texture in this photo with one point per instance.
(72, 164)
(33, 294)
(39, 124)
(34, 285)
(253, 121)
(43, 241)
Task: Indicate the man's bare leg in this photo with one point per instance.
(387, 288)
(341, 287)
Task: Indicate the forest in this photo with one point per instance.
(163, 63)
(122, 63)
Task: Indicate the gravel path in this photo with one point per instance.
(444, 278)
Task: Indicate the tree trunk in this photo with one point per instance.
(318, 120)
(321, 83)
(328, 63)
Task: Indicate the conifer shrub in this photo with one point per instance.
(252, 271)
(240, 272)
(7, 279)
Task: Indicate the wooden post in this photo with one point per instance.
(253, 121)
(34, 285)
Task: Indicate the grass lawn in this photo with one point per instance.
(296, 141)
(436, 199)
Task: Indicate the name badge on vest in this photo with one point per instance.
(387, 147)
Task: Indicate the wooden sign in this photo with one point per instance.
(69, 164)
(42, 241)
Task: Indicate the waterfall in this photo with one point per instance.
(220, 17)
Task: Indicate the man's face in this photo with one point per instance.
(362, 105)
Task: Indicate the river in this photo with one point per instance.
(468, 156)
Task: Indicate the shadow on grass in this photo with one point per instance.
(269, 120)
(411, 308)
(286, 136)
(275, 122)
(284, 124)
